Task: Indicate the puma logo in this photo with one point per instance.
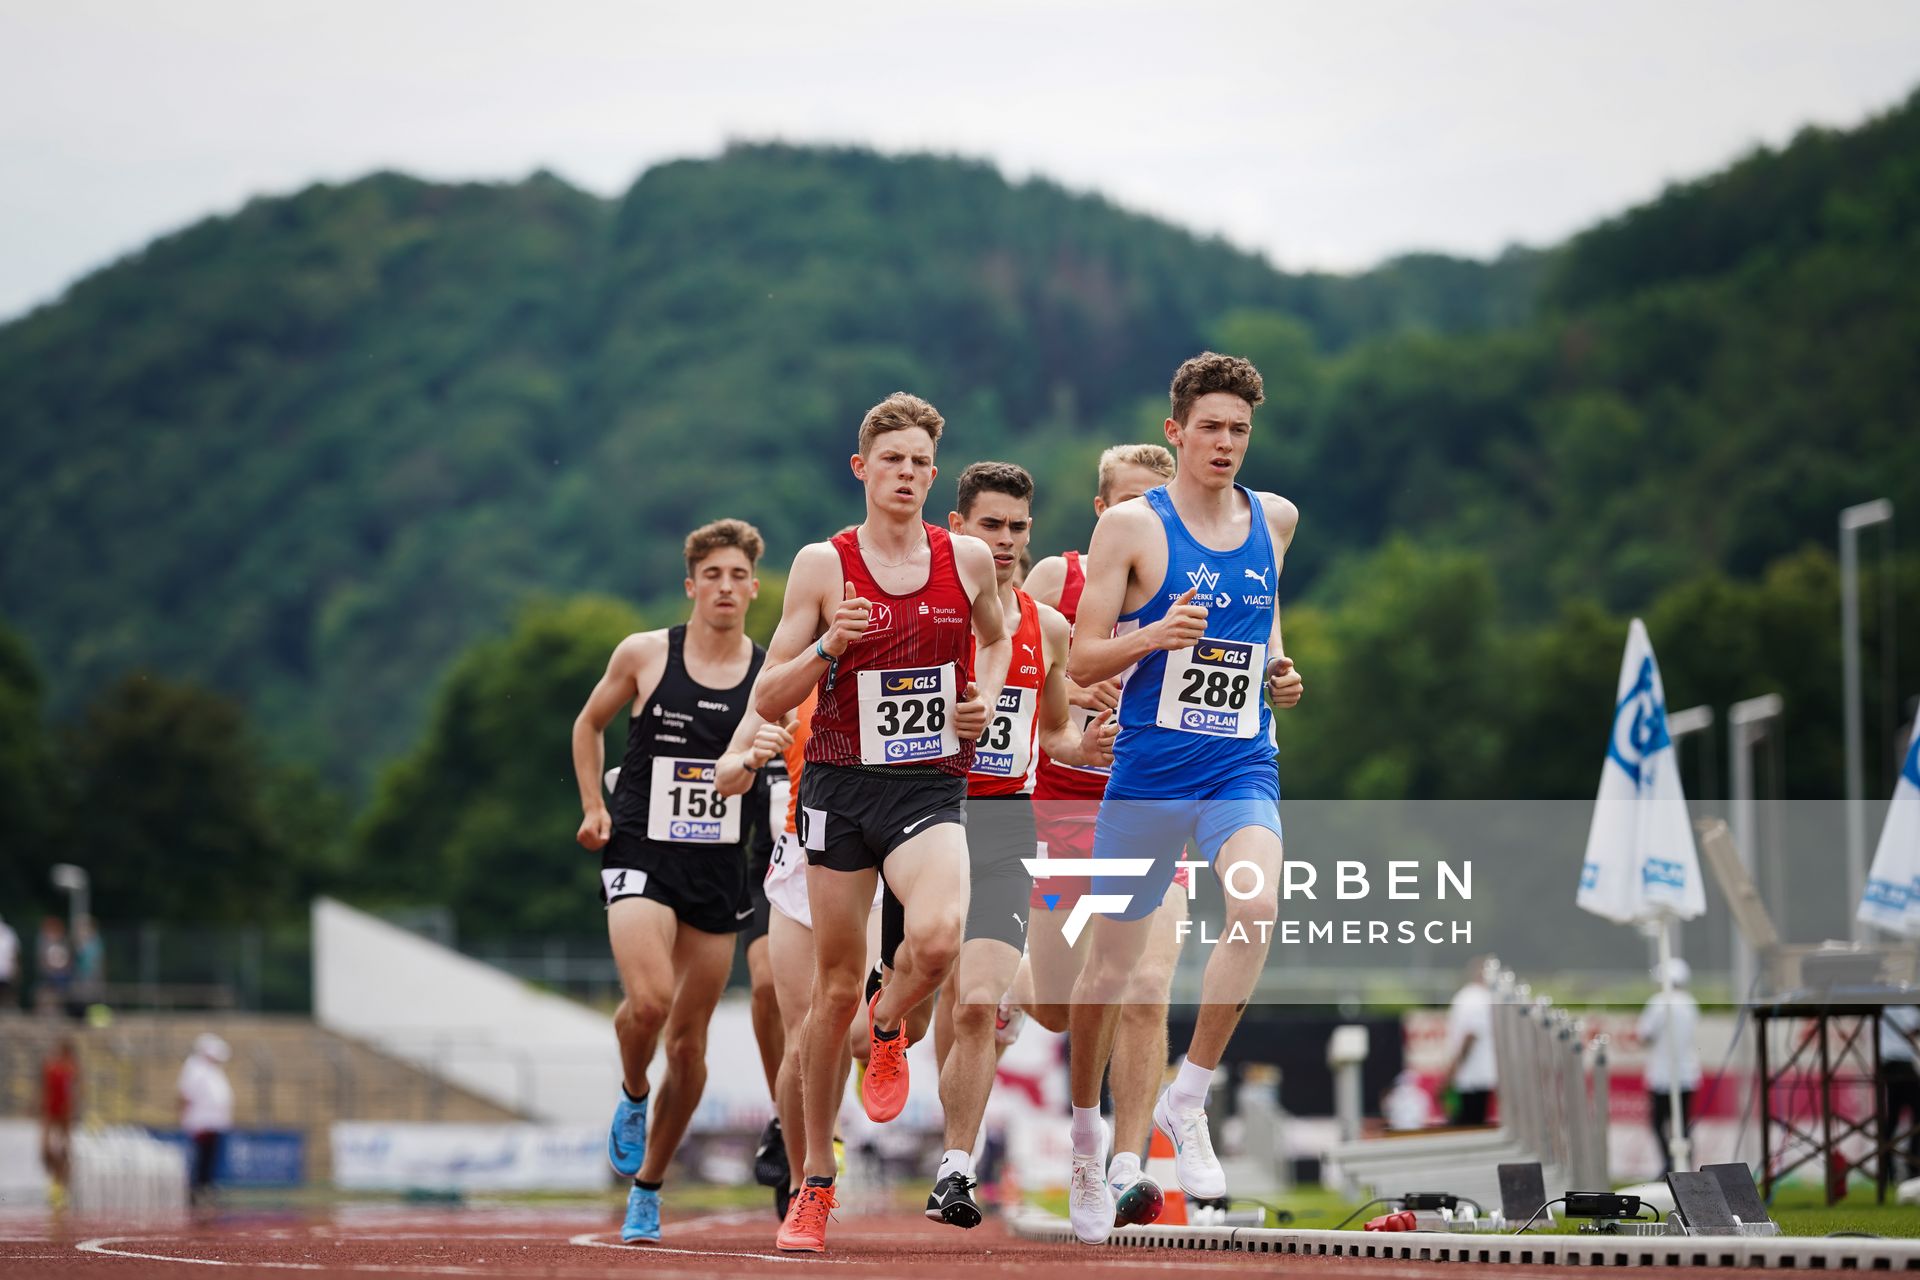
(1260, 577)
(1017, 920)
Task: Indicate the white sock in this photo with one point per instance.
(955, 1161)
(1125, 1167)
(1189, 1088)
(1088, 1131)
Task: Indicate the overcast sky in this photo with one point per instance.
(1322, 134)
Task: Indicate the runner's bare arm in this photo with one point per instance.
(1057, 735)
(1284, 684)
(753, 743)
(792, 665)
(1123, 533)
(631, 674)
(1046, 580)
(993, 647)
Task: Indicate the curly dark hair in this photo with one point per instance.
(1209, 372)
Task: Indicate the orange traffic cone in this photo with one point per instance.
(1160, 1169)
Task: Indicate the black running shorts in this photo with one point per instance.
(851, 819)
(707, 888)
(1000, 836)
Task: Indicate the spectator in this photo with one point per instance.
(1407, 1105)
(1473, 1071)
(59, 1098)
(206, 1106)
(1900, 1080)
(9, 964)
(1667, 1030)
(89, 967)
(55, 962)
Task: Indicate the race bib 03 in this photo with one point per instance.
(1005, 750)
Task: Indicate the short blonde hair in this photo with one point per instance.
(898, 412)
(709, 538)
(1153, 457)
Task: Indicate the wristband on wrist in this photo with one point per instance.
(820, 650)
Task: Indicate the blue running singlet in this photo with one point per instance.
(1192, 719)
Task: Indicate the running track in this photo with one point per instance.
(573, 1243)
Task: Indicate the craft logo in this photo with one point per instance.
(692, 771)
(1639, 727)
(918, 680)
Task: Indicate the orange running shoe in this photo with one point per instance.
(805, 1230)
(883, 1090)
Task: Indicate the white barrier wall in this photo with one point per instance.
(548, 1058)
(23, 1179)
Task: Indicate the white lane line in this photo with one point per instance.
(105, 1245)
(591, 1240)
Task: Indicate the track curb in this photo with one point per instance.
(1777, 1253)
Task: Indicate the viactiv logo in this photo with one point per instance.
(1091, 904)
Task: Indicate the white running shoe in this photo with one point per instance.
(1194, 1164)
(1089, 1198)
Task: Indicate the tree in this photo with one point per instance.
(480, 815)
(169, 813)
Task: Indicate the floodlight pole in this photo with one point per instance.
(1680, 723)
(74, 880)
(1745, 724)
(1852, 521)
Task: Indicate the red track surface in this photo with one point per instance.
(572, 1243)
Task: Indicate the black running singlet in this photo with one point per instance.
(666, 792)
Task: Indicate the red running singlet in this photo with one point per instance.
(1053, 780)
(924, 628)
(1003, 759)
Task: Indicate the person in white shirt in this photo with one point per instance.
(206, 1106)
(1473, 1072)
(9, 964)
(1667, 1030)
(1900, 1079)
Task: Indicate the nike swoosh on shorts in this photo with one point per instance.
(908, 829)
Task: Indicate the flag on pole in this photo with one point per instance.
(1641, 862)
(1892, 900)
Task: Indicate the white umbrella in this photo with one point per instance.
(1641, 866)
(1892, 900)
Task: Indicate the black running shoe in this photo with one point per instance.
(782, 1201)
(874, 983)
(951, 1201)
(770, 1157)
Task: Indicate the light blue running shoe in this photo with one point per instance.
(643, 1217)
(627, 1139)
